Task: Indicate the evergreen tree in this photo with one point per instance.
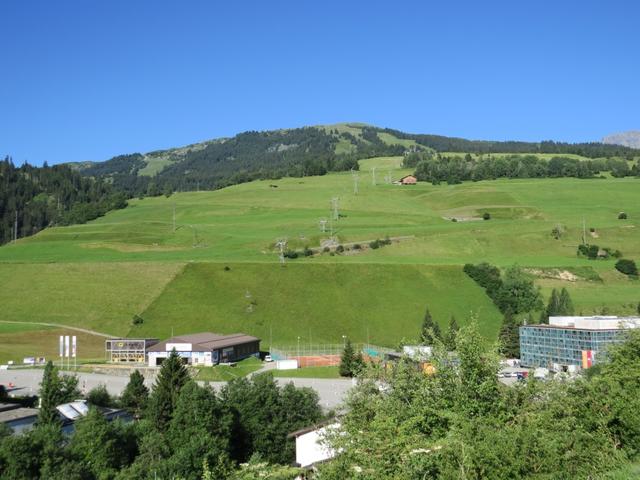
(452, 332)
(510, 336)
(358, 364)
(543, 320)
(135, 395)
(566, 305)
(347, 360)
(430, 330)
(55, 390)
(553, 307)
(49, 388)
(162, 402)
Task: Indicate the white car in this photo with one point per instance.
(268, 358)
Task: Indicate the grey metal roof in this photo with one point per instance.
(206, 341)
(17, 414)
(8, 406)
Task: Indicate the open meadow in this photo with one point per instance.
(137, 261)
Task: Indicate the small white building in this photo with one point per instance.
(311, 448)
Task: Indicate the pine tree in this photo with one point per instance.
(510, 336)
(430, 330)
(566, 305)
(49, 395)
(452, 333)
(347, 360)
(162, 402)
(135, 395)
(553, 308)
(55, 390)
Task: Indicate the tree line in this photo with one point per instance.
(182, 430)
(438, 168)
(38, 197)
(442, 143)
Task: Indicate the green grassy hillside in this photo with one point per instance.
(318, 303)
(132, 261)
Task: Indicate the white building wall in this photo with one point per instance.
(309, 447)
(596, 323)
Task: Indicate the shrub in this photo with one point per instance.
(291, 254)
(227, 268)
(326, 249)
(486, 216)
(137, 320)
(307, 252)
(99, 397)
(386, 241)
(628, 267)
(339, 249)
(357, 246)
(592, 230)
(622, 216)
(375, 244)
(589, 251)
(454, 219)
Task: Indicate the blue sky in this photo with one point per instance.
(86, 80)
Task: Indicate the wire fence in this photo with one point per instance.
(324, 355)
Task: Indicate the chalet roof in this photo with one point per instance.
(206, 341)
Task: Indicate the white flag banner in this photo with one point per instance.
(73, 346)
(66, 346)
(61, 346)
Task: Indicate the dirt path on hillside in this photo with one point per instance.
(58, 325)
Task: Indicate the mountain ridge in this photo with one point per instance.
(629, 138)
(298, 152)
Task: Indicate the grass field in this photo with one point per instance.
(316, 302)
(18, 341)
(132, 261)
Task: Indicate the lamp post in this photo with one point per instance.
(344, 341)
(298, 350)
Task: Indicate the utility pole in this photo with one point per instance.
(335, 208)
(281, 244)
(373, 176)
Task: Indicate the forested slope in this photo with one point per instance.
(32, 198)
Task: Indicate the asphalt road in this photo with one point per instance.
(26, 382)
